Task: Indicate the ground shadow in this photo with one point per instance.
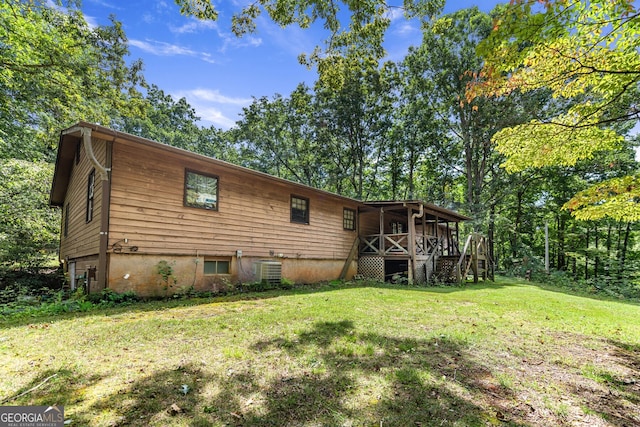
(616, 395)
(421, 378)
(50, 388)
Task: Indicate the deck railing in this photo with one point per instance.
(398, 244)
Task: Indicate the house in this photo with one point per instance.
(144, 216)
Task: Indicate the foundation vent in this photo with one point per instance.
(268, 272)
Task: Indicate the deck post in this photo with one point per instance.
(381, 238)
(412, 245)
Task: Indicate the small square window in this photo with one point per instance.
(201, 191)
(216, 267)
(349, 219)
(299, 210)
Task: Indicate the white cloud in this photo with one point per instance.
(105, 4)
(193, 26)
(215, 96)
(215, 117)
(395, 13)
(213, 107)
(405, 29)
(92, 21)
(230, 40)
(159, 48)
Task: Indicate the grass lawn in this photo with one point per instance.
(504, 354)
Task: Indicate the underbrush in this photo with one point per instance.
(18, 300)
(50, 302)
(625, 288)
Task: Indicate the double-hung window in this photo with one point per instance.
(299, 210)
(91, 182)
(200, 190)
(349, 219)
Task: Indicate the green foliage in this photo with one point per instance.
(617, 198)
(29, 228)
(356, 28)
(165, 271)
(586, 55)
(175, 123)
(46, 302)
(54, 70)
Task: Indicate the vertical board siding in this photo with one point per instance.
(253, 210)
(83, 239)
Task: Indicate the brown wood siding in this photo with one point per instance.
(253, 211)
(83, 239)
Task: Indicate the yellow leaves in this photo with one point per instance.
(536, 144)
(617, 198)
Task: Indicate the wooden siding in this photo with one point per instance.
(83, 239)
(253, 211)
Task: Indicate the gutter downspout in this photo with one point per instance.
(103, 173)
(88, 148)
(412, 242)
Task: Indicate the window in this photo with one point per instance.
(66, 220)
(216, 267)
(299, 210)
(78, 152)
(90, 193)
(201, 191)
(349, 219)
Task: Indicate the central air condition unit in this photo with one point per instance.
(268, 272)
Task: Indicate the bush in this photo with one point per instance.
(109, 298)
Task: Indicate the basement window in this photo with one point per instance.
(216, 266)
(200, 190)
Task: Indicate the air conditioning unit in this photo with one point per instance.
(268, 272)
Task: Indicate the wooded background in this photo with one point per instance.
(518, 118)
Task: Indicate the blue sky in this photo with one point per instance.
(217, 72)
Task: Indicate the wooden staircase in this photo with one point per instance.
(474, 259)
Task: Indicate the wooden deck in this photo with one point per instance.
(398, 245)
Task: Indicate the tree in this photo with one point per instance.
(278, 136)
(54, 70)
(354, 121)
(361, 36)
(29, 229)
(587, 55)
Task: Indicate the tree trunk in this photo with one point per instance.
(597, 258)
(623, 256)
(491, 233)
(561, 224)
(586, 256)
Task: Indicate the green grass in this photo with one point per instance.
(489, 354)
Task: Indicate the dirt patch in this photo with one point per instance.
(573, 380)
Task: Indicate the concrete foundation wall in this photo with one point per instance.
(138, 273)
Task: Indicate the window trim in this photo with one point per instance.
(66, 220)
(217, 260)
(307, 215)
(91, 192)
(352, 219)
(206, 175)
(78, 147)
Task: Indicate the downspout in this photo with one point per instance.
(412, 242)
(88, 148)
(419, 214)
(103, 173)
